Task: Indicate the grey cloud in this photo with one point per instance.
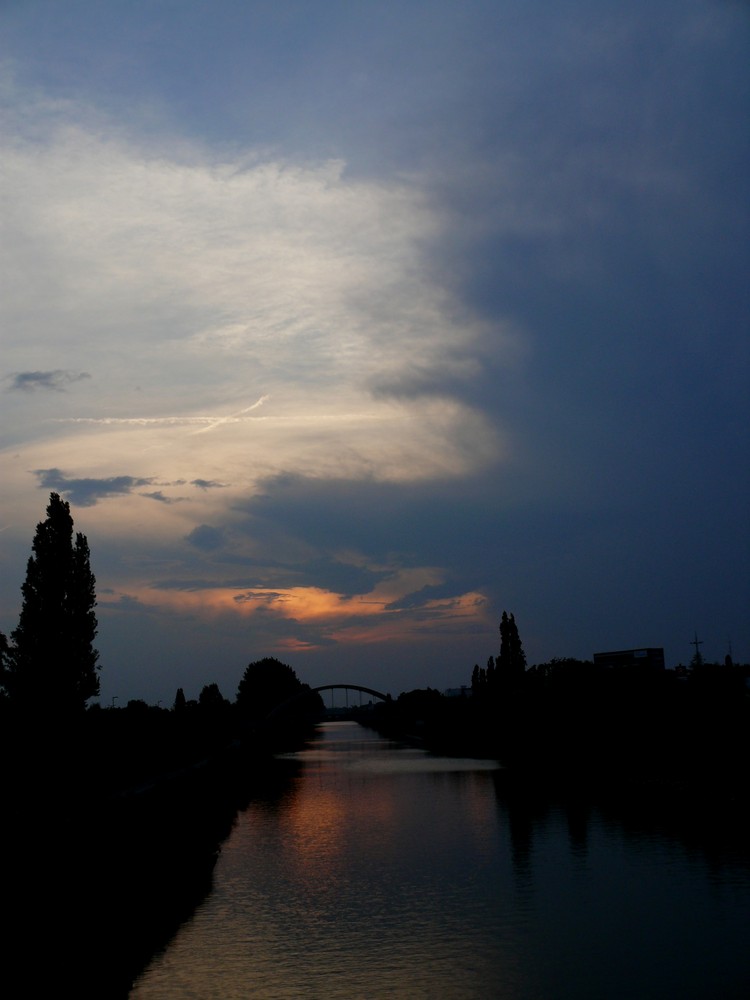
(207, 484)
(161, 498)
(368, 517)
(341, 577)
(195, 583)
(464, 528)
(88, 492)
(415, 601)
(454, 375)
(191, 584)
(266, 597)
(206, 538)
(55, 381)
(275, 629)
(123, 602)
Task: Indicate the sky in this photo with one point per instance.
(344, 327)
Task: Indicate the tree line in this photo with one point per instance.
(113, 817)
(49, 671)
(565, 713)
(578, 721)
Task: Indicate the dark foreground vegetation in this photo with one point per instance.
(577, 724)
(571, 722)
(655, 750)
(112, 823)
(113, 817)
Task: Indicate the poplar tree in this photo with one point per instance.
(52, 663)
(511, 662)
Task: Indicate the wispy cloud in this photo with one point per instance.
(207, 484)
(205, 423)
(160, 497)
(269, 308)
(233, 417)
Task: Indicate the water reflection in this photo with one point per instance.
(381, 871)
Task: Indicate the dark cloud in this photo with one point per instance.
(437, 380)
(415, 603)
(207, 484)
(123, 602)
(195, 583)
(425, 523)
(266, 597)
(206, 538)
(341, 577)
(621, 560)
(283, 634)
(54, 381)
(88, 492)
(161, 498)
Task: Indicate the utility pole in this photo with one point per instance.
(697, 658)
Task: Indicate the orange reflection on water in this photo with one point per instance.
(314, 826)
(320, 822)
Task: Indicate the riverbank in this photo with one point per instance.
(99, 869)
(647, 739)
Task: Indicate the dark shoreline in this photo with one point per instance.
(95, 886)
(99, 876)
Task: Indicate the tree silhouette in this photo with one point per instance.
(511, 663)
(211, 699)
(266, 684)
(51, 665)
(478, 680)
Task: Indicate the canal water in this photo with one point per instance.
(375, 870)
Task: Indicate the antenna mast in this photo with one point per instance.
(697, 659)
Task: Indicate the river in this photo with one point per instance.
(376, 870)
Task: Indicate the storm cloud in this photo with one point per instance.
(401, 316)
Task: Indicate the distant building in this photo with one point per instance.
(651, 658)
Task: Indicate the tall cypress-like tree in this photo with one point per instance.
(52, 663)
(511, 662)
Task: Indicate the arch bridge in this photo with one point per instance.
(301, 695)
(350, 687)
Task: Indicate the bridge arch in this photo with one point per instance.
(351, 687)
(301, 695)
